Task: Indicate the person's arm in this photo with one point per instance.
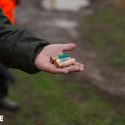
(18, 48)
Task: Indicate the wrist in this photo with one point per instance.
(38, 56)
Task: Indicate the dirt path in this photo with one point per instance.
(62, 27)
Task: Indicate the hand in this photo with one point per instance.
(43, 63)
(17, 2)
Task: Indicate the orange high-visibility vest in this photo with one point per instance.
(8, 7)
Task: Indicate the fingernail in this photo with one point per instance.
(81, 69)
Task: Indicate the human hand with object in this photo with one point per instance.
(43, 63)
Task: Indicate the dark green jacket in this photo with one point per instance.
(18, 48)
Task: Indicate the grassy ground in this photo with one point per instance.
(50, 100)
(104, 32)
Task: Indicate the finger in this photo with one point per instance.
(59, 71)
(73, 68)
(80, 65)
(68, 47)
(52, 69)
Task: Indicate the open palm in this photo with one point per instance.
(43, 63)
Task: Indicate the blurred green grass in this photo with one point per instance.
(59, 100)
(104, 32)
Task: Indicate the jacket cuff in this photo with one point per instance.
(38, 50)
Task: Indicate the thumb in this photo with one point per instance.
(68, 47)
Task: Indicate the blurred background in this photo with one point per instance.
(93, 97)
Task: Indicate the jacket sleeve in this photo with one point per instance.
(18, 48)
